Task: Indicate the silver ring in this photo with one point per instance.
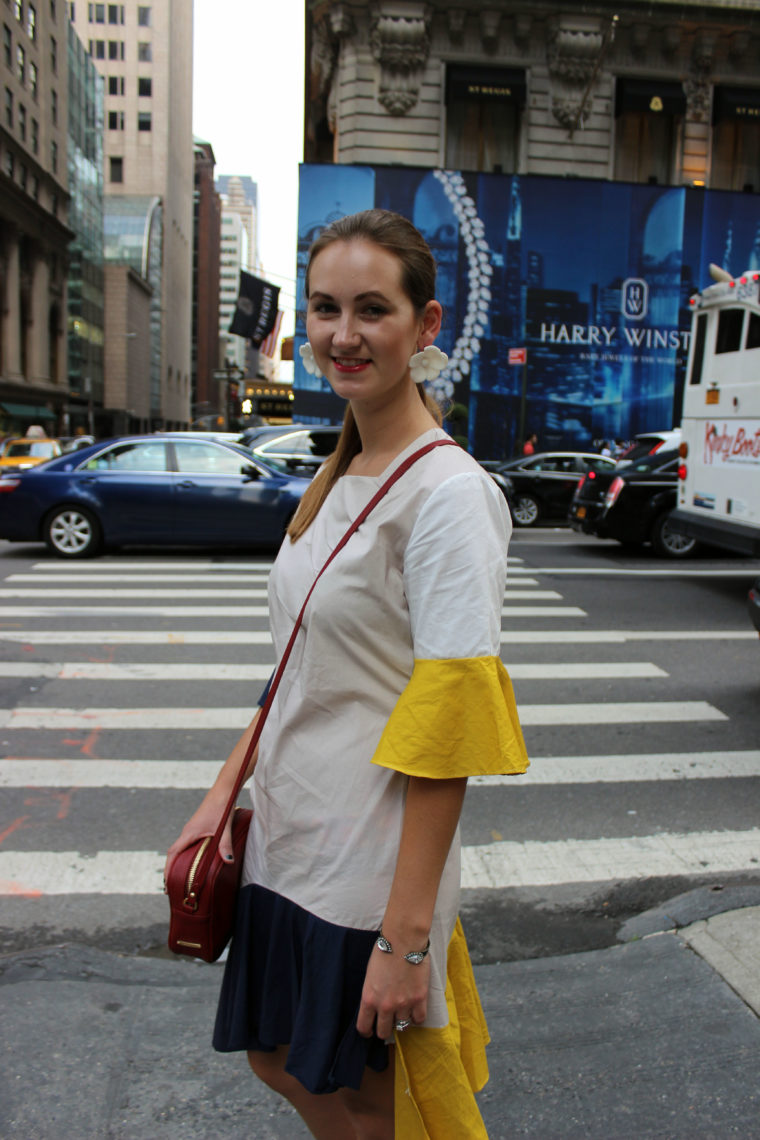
(401, 1025)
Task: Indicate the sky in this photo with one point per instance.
(248, 74)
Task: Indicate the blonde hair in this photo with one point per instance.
(418, 270)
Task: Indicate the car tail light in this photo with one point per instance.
(9, 484)
(591, 475)
(682, 471)
(614, 489)
(683, 449)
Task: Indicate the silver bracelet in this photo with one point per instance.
(414, 956)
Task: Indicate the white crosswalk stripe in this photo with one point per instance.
(123, 593)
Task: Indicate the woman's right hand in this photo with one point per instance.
(202, 823)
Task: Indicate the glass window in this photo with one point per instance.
(145, 52)
(33, 74)
(54, 107)
(116, 169)
(140, 456)
(20, 64)
(115, 13)
(10, 163)
(9, 108)
(207, 459)
(54, 55)
(116, 120)
(698, 355)
(729, 338)
(22, 176)
(644, 147)
(736, 156)
(116, 49)
(143, 17)
(115, 84)
(22, 122)
(35, 133)
(72, 12)
(144, 86)
(35, 191)
(753, 331)
(144, 121)
(31, 22)
(54, 156)
(7, 45)
(19, 10)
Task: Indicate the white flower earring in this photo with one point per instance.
(428, 364)
(308, 360)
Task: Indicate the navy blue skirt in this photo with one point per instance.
(294, 979)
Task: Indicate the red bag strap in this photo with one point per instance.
(402, 468)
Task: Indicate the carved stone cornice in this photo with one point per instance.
(573, 51)
(456, 18)
(490, 19)
(400, 42)
(698, 92)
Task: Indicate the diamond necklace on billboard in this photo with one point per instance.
(256, 308)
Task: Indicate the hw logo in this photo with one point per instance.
(634, 300)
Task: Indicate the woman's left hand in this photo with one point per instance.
(394, 990)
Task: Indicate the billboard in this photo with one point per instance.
(590, 278)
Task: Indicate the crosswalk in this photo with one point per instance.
(122, 677)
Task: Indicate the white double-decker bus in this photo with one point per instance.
(719, 484)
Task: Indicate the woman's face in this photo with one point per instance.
(360, 322)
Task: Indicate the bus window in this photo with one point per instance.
(729, 337)
(699, 349)
(753, 331)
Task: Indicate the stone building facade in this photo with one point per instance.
(34, 230)
(661, 92)
(207, 233)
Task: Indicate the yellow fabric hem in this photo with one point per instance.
(455, 718)
(438, 1071)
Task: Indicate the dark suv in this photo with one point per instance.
(633, 505)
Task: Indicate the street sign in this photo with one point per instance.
(518, 355)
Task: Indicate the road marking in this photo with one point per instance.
(122, 564)
(114, 579)
(750, 571)
(538, 611)
(236, 717)
(494, 865)
(232, 611)
(128, 592)
(160, 671)
(16, 772)
(535, 864)
(629, 768)
(619, 636)
(136, 637)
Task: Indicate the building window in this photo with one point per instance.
(54, 156)
(35, 190)
(96, 13)
(483, 107)
(145, 53)
(9, 108)
(52, 8)
(53, 55)
(31, 22)
(7, 45)
(72, 11)
(97, 49)
(144, 86)
(19, 10)
(116, 173)
(736, 139)
(116, 120)
(10, 163)
(33, 79)
(115, 84)
(20, 64)
(54, 107)
(22, 176)
(116, 49)
(649, 117)
(35, 133)
(115, 13)
(144, 121)
(143, 17)
(22, 122)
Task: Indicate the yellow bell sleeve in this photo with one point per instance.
(456, 717)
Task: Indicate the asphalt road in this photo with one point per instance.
(125, 680)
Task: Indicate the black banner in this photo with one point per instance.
(653, 96)
(485, 84)
(256, 310)
(736, 103)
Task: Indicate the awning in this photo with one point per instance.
(736, 103)
(485, 84)
(649, 95)
(28, 411)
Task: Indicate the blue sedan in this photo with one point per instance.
(148, 489)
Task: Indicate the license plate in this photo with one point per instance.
(712, 396)
(580, 512)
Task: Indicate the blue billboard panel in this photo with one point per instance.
(592, 278)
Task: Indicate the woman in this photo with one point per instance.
(393, 695)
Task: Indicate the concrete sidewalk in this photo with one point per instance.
(657, 1037)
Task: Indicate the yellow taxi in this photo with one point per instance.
(16, 454)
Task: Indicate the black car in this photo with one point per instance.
(633, 505)
(298, 450)
(541, 486)
(753, 604)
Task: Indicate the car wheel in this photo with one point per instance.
(526, 510)
(667, 542)
(72, 532)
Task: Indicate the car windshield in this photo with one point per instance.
(37, 449)
(660, 460)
